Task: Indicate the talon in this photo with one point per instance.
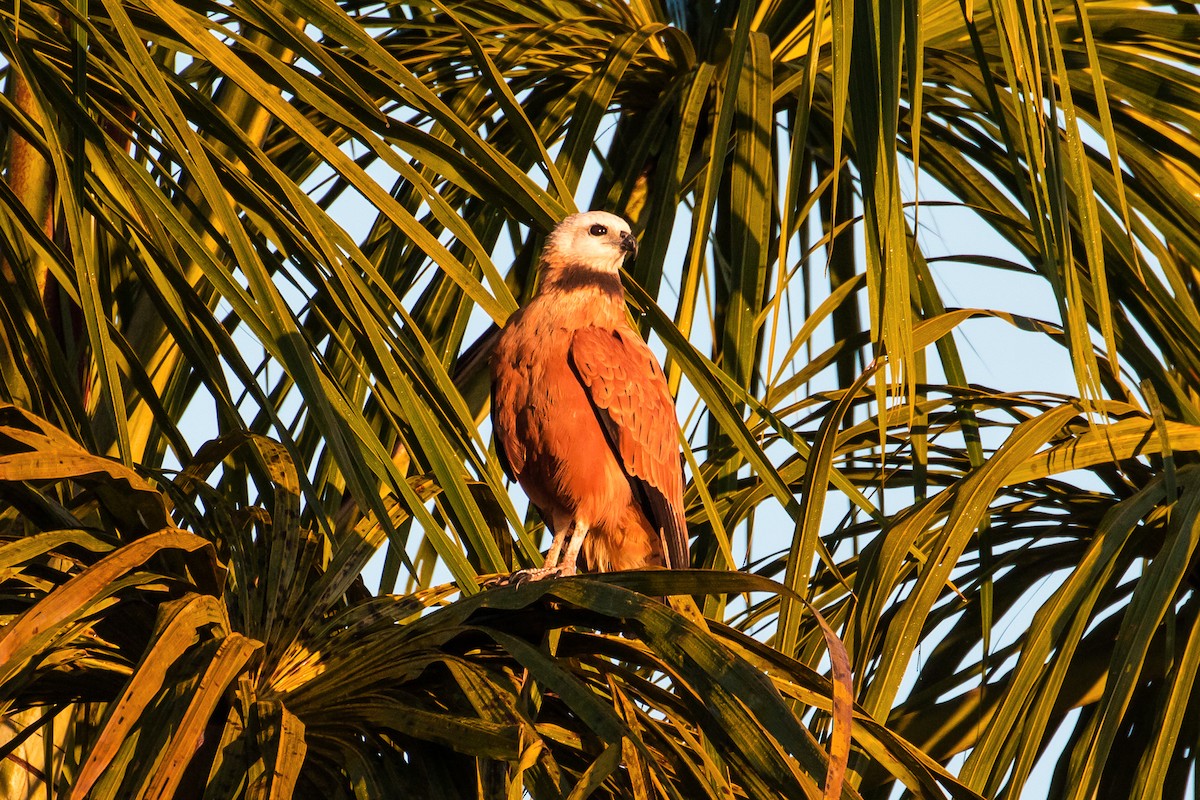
(496, 582)
(523, 576)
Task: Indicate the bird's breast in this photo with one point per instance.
(545, 421)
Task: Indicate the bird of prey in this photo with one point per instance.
(582, 414)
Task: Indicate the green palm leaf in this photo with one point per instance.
(252, 258)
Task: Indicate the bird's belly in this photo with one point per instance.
(570, 468)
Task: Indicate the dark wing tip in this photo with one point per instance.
(670, 522)
(676, 545)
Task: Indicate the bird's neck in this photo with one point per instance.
(582, 295)
(574, 277)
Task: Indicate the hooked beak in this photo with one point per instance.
(629, 244)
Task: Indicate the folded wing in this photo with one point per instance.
(629, 392)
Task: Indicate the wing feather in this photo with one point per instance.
(629, 392)
(509, 447)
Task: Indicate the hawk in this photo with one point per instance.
(582, 414)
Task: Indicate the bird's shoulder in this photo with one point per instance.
(518, 336)
(624, 381)
(616, 353)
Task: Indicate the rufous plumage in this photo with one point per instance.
(582, 414)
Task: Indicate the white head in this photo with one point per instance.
(594, 240)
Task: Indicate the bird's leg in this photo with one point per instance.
(550, 567)
(575, 536)
(555, 552)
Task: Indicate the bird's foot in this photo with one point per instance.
(523, 576)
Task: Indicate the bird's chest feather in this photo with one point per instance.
(547, 401)
(557, 447)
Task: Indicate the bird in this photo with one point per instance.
(582, 416)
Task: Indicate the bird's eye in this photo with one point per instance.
(597, 230)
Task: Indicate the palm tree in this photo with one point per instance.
(254, 256)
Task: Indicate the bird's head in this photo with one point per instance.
(593, 240)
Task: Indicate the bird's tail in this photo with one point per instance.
(632, 543)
